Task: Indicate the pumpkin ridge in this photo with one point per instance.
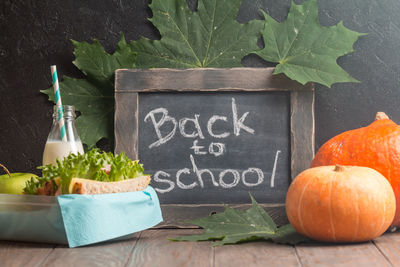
(357, 208)
(369, 133)
(330, 207)
(383, 218)
(299, 208)
(382, 160)
(387, 159)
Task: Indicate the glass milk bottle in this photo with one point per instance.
(55, 148)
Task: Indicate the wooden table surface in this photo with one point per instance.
(151, 248)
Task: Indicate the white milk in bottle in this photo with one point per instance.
(55, 148)
(58, 149)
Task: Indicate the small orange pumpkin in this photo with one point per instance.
(376, 146)
(340, 203)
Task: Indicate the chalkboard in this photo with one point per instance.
(211, 136)
(216, 147)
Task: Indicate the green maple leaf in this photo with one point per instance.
(237, 226)
(305, 50)
(209, 37)
(94, 96)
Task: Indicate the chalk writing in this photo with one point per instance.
(195, 120)
(164, 118)
(250, 177)
(210, 124)
(238, 124)
(217, 127)
(216, 149)
(274, 168)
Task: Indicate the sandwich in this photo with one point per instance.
(94, 172)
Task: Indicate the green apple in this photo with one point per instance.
(14, 183)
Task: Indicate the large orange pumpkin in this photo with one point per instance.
(376, 146)
(340, 203)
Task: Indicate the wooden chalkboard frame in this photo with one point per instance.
(129, 83)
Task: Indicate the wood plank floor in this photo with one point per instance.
(152, 248)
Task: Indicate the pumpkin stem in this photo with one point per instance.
(339, 168)
(5, 169)
(381, 116)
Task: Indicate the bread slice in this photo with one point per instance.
(90, 187)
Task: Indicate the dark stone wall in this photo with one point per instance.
(36, 34)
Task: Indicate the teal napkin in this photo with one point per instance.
(91, 219)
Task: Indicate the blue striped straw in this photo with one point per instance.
(57, 94)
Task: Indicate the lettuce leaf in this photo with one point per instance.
(93, 165)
